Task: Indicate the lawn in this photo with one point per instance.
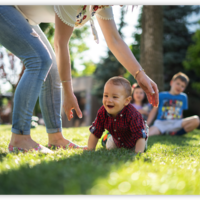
(171, 165)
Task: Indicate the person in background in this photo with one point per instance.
(140, 102)
(170, 111)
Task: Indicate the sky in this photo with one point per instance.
(98, 51)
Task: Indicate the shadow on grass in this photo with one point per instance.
(2, 155)
(76, 174)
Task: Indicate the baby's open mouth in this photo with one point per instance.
(110, 106)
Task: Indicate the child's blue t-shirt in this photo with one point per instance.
(171, 106)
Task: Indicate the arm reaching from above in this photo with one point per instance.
(61, 44)
(127, 59)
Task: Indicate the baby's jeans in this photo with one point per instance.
(40, 78)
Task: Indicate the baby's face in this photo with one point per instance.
(114, 98)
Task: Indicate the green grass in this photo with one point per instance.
(171, 165)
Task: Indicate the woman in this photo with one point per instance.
(20, 33)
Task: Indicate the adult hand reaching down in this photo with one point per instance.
(70, 103)
(149, 87)
(124, 55)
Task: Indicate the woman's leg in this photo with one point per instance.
(18, 37)
(50, 94)
(50, 98)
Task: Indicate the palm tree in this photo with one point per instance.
(151, 58)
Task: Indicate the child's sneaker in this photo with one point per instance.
(105, 138)
(170, 133)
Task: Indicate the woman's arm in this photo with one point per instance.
(61, 44)
(127, 59)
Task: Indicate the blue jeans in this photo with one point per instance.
(40, 78)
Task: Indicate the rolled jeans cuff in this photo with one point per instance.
(20, 132)
(54, 130)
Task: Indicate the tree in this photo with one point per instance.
(176, 40)
(108, 67)
(48, 29)
(89, 69)
(151, 57)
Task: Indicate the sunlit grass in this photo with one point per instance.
(171, 165)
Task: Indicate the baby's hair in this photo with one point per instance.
(135, 86)
(117, 80)
(183, 77)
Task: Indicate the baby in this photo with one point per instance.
(120, 118)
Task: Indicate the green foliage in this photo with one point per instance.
(48, 29)
(176, 40)
(89, 70)
(77, 46)
(135, 47)
(171, 166)
(76, 43)
(192, 61)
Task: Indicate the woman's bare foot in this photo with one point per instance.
(57, 139)
(26, 143)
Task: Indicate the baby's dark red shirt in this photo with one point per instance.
(126, 128)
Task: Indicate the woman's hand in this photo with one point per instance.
(70, 103)
(149, 87)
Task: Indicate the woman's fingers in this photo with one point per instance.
(68, 112)
(78, 110)
(150, 88)
(69, 105)
(156, 95)
(153, 96)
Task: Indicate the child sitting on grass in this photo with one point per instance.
(120, 118)
(170, 111)
(140, 101)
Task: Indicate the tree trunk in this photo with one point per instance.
(151, 58)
